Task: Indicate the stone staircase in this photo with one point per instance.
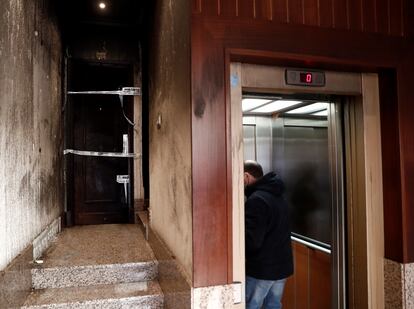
(105, 266)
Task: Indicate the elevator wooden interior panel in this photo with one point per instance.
(309, 287)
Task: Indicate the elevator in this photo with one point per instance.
(300, 138)
(317, 138)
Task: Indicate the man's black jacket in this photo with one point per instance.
(268, 244)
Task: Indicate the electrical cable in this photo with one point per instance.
(121, 99)
(129, 91)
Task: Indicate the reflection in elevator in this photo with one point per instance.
(299, 137)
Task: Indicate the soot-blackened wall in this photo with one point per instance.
(31, 182)
(170, 142)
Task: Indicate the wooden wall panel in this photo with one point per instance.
(355, 15)
(264, 9)
(210, 217)
(228, 8)
(320, 280)
(246, 8)
(396, 17)
(311, 11)
(393, 217)
(301, 274)
(340, 14)
(280, 11)
(409, 19)
(406, 129)
(369, 15)
(289, 297)
(383, 17)
(209, 7)
(196, 6)
(295, 12)
(310, 285)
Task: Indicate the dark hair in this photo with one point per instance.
(253, 168)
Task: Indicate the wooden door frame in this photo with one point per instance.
(369, 184)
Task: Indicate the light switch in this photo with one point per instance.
(159, 121)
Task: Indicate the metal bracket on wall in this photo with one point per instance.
(128, 91)
(101, 154)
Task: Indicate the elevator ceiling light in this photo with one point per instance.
(321, 113)
(276, 106)
(249, 104)
(310, 109)
(102, 5)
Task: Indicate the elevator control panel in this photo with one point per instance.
(305, 78)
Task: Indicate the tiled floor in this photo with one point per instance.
(101, 266)
(98, 244)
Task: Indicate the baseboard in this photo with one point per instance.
(174, 282)
(43, 241)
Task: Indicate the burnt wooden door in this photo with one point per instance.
(98, 125)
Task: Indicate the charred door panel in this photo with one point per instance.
(98, 126)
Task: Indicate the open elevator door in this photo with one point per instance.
(99, 135)
(299, 137)
(362, 284)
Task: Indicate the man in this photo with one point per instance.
(269, 258)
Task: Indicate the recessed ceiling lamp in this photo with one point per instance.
(251, 103)
(321, 113)
(310, 109)
(102, 5)
(276, 106)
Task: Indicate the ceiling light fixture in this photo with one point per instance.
(321, 113)
(310, 109)
(252, 103)
(102, 5)
(276, 106)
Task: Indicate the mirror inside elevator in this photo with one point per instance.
(299, 137)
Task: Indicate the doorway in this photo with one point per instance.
(294, 136)
(99, 123)
(329, 156)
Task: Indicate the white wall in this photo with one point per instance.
(30, 124)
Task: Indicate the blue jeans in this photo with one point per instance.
(264, 293)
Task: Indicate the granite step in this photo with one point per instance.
(146, 295)
(86, 275)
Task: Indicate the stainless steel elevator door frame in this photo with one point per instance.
(364, 219)
(336, 160)
(336, 163)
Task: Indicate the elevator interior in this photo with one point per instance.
(293, 135)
